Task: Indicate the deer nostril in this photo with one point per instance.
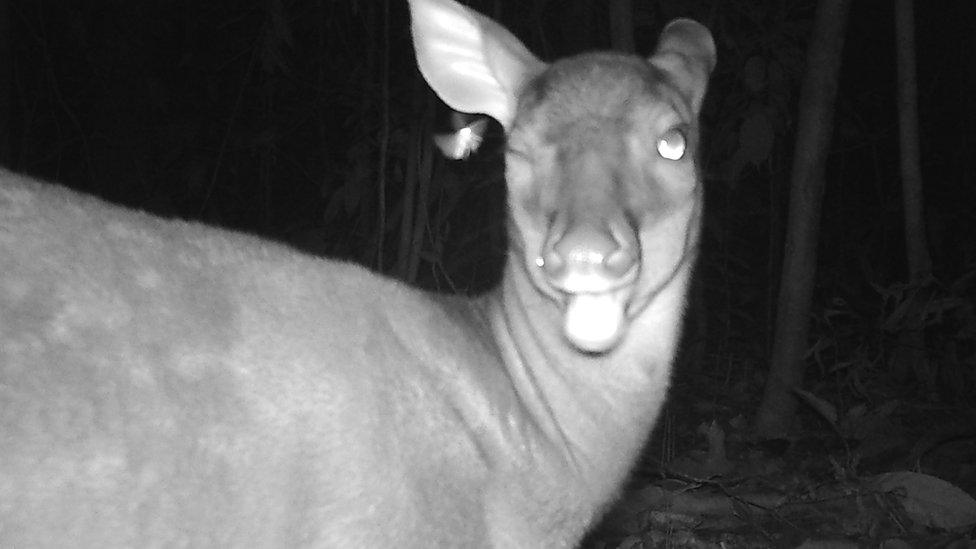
(621, 261)
(552, 263)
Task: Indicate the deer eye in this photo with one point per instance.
(672, 144)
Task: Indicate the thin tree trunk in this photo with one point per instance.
(6, 85)
(909, 357)
(814, 128)
(916, 248)
(408, 199)
(384, 137)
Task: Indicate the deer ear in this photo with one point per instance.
(686, 52)
(473, 63)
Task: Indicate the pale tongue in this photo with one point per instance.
(594, 322)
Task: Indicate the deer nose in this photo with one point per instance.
(588, 256)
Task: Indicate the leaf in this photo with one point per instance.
(822, 407)
(930, 501)
(755, 140)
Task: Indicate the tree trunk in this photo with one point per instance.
(814, 129)
(916, 248)
(909, 358)
(6, 85)
(384, 138)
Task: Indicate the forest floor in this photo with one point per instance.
(896, 473)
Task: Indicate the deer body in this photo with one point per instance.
(168, 384)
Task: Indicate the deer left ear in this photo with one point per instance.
(471, 62)
(686, 52)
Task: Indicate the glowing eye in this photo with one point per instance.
(672, 144)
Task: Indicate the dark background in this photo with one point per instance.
(278, 117)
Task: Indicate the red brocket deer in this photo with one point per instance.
(165, 384)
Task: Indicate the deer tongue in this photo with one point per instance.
(595, 322)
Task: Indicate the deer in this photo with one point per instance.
(165, 384)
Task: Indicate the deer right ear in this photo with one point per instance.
(471, 62)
